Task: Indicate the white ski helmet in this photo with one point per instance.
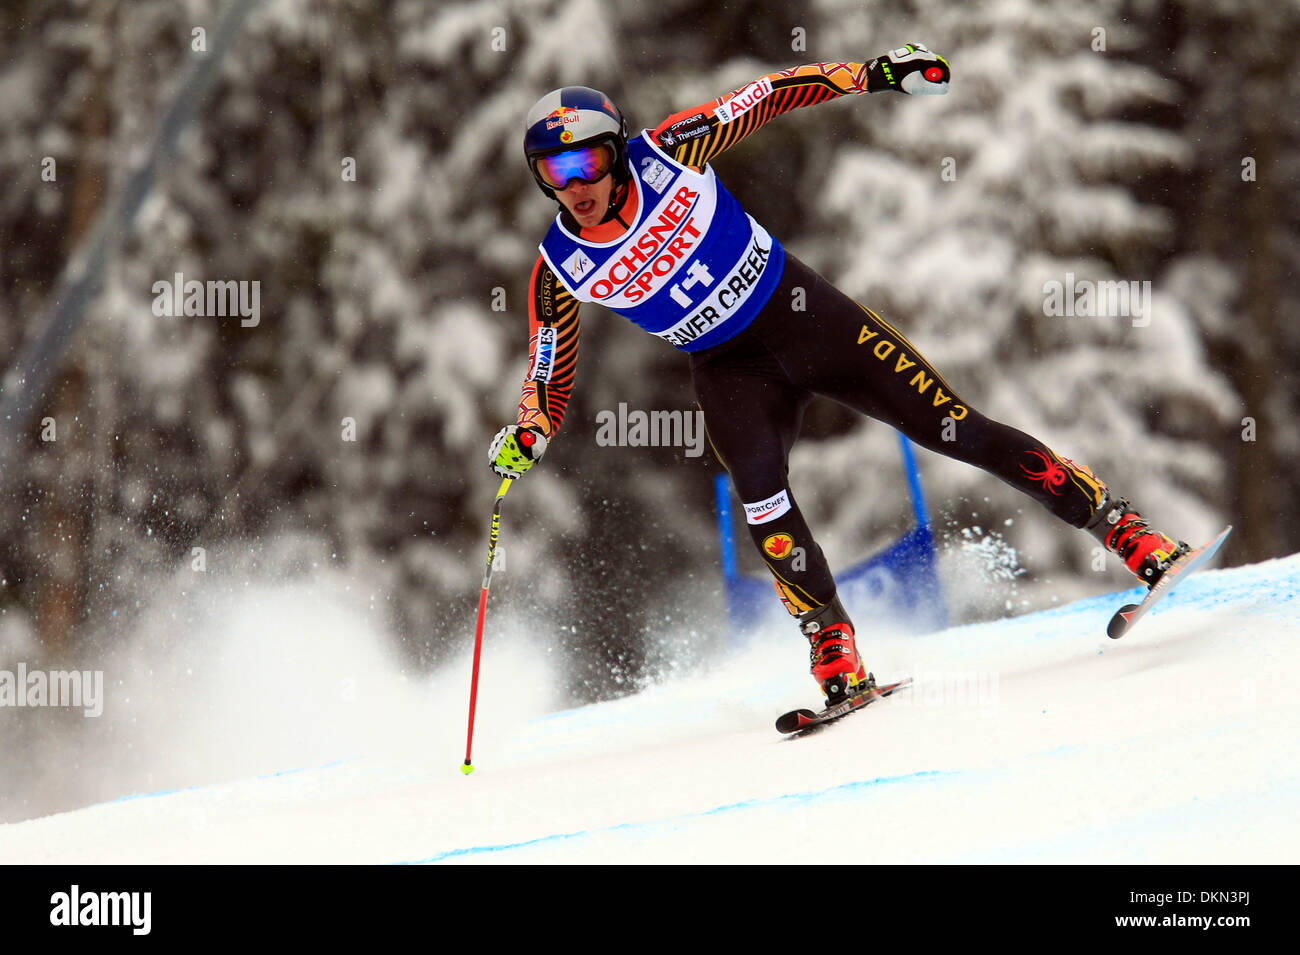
(563, 122)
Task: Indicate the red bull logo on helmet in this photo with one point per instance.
(562, 116)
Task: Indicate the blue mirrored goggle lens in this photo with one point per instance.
(587, 164)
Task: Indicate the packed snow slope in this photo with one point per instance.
(1035, 739)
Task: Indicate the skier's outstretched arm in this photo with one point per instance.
(693, 136)
(552, 351)
(552, 360)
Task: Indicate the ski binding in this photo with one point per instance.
(1194, 559)
(798, 721)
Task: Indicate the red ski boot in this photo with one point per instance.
(1124, 532)
(836, 665)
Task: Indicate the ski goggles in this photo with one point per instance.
(588, 164)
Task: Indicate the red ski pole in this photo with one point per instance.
(482, 613)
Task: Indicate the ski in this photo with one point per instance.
(1198, 557)
(797, 721)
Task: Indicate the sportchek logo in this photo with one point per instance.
(763, 511)
(650, 258)
(744, 100)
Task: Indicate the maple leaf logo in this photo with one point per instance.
(778, 546)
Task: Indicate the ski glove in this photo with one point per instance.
(514, 450)
(909, 69)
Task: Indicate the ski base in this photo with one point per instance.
(798, 721)
(1198, 557)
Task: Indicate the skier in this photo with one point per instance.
(646, 229)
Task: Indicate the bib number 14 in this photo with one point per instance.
(697, 274)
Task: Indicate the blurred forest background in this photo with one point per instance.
(361, 160)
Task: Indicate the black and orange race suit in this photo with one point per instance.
(754, 387)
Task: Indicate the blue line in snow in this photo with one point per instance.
(222, 782)
(717, 810)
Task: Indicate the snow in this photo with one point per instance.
(1033, 739)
